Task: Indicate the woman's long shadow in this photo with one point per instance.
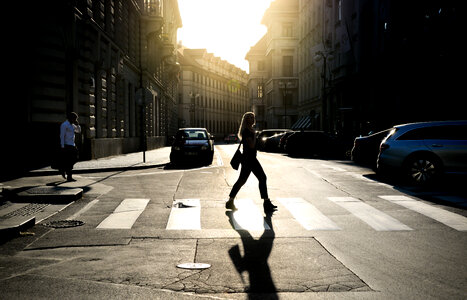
(255, 259)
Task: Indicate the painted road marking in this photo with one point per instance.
(308, 215)
(185, 215)
(220, 162)
(448, 218)
(248, 216)
(125, 215)
(83, 210)
(378, 220)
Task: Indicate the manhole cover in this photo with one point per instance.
(63, 223)
(194, 266)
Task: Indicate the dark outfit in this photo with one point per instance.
(68, 159)
(250, 164)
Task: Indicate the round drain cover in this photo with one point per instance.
(194, 266)
(63, 223)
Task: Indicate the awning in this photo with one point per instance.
(302, 123)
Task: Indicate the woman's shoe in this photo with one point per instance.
(230, 205)
(268, 206)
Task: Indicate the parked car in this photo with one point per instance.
(272, 143)
(192, 145)
(283, 140)
(423, 151)
(314, 142)
(263, 135)
(231, 138)
(365, 149)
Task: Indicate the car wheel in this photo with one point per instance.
(422, 169)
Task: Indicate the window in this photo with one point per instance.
(448, 132)
(260, 91)
(339, 10)
(287, 66)
(287, 29)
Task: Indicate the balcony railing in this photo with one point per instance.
(153, 8)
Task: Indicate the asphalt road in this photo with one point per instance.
(339, 233)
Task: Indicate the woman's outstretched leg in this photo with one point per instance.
(257, 169)
(244, 174)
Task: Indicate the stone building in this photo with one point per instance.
(273, 61)
(111, 61)
(212, 92)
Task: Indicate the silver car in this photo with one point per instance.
(423, 151)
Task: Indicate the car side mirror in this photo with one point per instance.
(211, 137)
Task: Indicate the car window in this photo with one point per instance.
(445, 132)
(192, 134)
(381, 134)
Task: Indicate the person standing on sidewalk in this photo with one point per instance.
(69, 155)
(250, 164)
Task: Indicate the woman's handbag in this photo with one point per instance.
(237, 158)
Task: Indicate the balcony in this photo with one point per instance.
(167, 47)
(152, 17)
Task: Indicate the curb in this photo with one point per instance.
(7, 231)
(49, 194)
(37, 173)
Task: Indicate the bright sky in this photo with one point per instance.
(226, 28)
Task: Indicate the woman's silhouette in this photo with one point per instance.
(250, 164)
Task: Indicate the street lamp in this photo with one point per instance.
(325, 56)
(193, 97)
(285, 86)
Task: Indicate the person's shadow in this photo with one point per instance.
(255, 259)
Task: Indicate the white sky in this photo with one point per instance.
(226, 28)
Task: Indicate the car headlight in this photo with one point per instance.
(176, 148)
(204, 147)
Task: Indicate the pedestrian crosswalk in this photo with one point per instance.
(125, 215)
(187, 214)
(248, 216)
(448, 218)
(376, 219)
(308, 215)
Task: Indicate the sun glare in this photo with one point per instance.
(225, 28)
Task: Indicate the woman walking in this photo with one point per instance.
(250, 164)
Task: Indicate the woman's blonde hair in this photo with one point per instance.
(245, 119)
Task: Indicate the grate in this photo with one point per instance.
(63, 223)
(27, 210)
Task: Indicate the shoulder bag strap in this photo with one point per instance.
(239, 145)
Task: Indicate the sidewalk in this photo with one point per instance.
(28, 200)
(154, 158)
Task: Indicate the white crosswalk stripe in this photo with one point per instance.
(248, 216)
(448, 218)
(378, 220)
(308, 215)
(185, 215)
(125, 215)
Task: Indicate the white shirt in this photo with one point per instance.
(67, 133)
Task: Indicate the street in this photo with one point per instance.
(338, 233)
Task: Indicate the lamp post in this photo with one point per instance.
(193, 97)
(325, 56)
(285, 86)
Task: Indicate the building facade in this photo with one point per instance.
(273, 61)
(111, 61)
(212, 92)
